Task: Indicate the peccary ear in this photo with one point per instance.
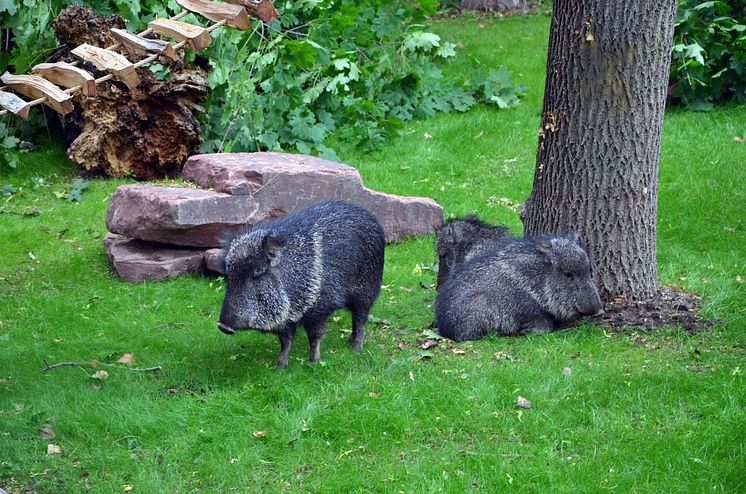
(544, 246)
(457, 233)
(272, 246)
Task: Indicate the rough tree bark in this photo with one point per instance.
(599, 142)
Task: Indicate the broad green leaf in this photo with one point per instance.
(694, 51)
(8, 6)
(421, 40)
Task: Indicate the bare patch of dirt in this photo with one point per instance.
(669, 308)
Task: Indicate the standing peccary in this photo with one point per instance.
(529, 285)
(301, 268)
(460, 240)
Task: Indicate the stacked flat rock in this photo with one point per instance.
(233, 190)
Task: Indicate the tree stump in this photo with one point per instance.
(147, 132)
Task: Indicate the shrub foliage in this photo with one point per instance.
(354, 70)
(709, 54)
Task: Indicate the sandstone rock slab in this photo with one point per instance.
(214, 260)
(176, 215)
(136, 260)
(280, 183)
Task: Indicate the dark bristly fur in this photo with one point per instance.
(301, 268)
(462, 239)
(529, 285)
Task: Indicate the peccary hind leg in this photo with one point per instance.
(315, 331)
(359, 318)
(286, 341)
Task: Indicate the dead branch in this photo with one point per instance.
(49, 367)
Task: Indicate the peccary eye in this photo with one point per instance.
(569, 275)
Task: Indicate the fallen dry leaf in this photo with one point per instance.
(427, 136)
(739, 279)
(374, 395)
(566, 371)
(57, 340)
(401, 345)
(739, 139)
(500, 356)
(459, 351)
(102, 374)
(128, 487)
(411, 376)
(260, 433)
(127, 358)
(53, 449)
(428, 344)
(46, 432)
(523, 402)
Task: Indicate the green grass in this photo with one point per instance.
(653, 412)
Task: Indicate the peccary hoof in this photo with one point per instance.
(226, 329)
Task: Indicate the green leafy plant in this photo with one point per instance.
(78, 187)
(344, 71)
(349, 70)
(9, 146)
(709, 53)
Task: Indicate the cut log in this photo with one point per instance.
(109, 61)
(136, 45)
(14, 104)
(234, 15)
(36, 87)
(197, 37)
(67, 75)
(261, 9)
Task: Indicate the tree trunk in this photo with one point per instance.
(599, 142)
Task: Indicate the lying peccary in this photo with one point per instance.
(461, 240)
(529, 285)
(301, 268)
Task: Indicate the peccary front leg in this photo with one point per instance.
(286, 340)
(540, 325)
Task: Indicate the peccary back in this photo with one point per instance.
(460, 240)
(529, 285)
(301, 268)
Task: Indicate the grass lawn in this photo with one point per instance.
(637, 412)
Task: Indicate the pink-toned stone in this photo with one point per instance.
(136, 260)
(247, 173)
(280, 183)
(214, 260)
(176, 215)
